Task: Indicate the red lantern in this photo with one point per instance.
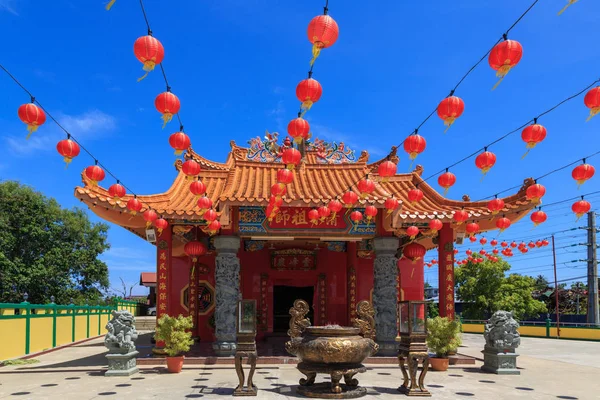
(291, 157)
(69, 149)
(370, 212)
(324, 212)
(313, 216)
(180, 142)
(275, 201)
(414, 145)
(415, 195)
(538, 243)
(503, 244)
(414, 251)
(168, 105)
(581, 207)
(591, 100)
(161, 224)
(31, 115)
(298, 129)
(472, 228)
(485, 161)
(450, 109)
(322, 32)
(386, 170)
(194, 249)
(308, 91)
(214, 227)
(531, 245)
(446, 180)
(134, 206)
(469, 252)
(412, 231)
(356, 217)
(335, 206)
(435, 225)
(365, 187)
(116, 191)
(473, 239)
(545, 242)
(460, 216)
(532, 135)
(538, 217)
(535, 192)
(494, 242)
(582, 173)
(495, 251)
(391, 204)
(483, 241)
(278, 191)
(496, 205)
(271, 211)
(513, 244)
(149, 216)
(204, 203)
(210, 215)
(502, 223)
(95, 174)
(285, 176)
(350, 198)
(190, 168)
(504, 56)
(149, 52)
(198, 188)
(482, 252)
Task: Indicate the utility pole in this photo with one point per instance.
(556, 289)
(592, 275)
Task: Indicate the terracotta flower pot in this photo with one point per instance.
(439, 364)
(175, 364)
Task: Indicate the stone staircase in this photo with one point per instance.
(145, 323)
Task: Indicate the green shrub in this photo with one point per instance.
(443, 336)
(174, 332)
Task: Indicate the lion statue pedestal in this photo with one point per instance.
(501, 340)
(120, 340)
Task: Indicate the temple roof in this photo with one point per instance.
(247, 175)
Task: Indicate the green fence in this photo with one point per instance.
(544, 329)
(30, 328)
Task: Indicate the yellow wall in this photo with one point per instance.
(80, 327)
(533, 331)
(580, 333)
(540, 331)
(94, 325)
(472, 328)
(64, 329)
(12, 338)
(41, 334)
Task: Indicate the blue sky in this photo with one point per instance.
(235, 64)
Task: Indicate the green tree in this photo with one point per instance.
(46, 250)
(484, 288)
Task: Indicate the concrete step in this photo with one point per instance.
(145, 323)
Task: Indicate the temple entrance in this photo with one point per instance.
(283, 300)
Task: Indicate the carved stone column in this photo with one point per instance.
(227, 288)
(385, 293)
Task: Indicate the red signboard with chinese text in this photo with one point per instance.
(297, 218)
(293, 260)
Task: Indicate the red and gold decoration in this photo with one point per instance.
(278, 190)
(450, 109)
(365, 187)
(285, 176)
(502, 224)
(95, 174)
(535, 193)
(538, 217)
(149, 216)
(591, 100)
(313, 217)
(435, 225)
(356, 216)
(533, 135)
(414, 251)
(391, 204)
(162, 276)
(322, 32)
(291, 158)
(161, 224)
(496, 205)
(134, 205)
(370, 213)
(485, 161)
(415, 195)
(168, 105)
(149, 51)
(210, 215)
(414, 145)
(32, 116)
(191, 169)
(472, 228)
(69, 149)
(581, 207)
(335, 206)
(324, 213)
(180, 142)
(308, 91)
(460, 216)
(299, 129)
(194, 249)
(446, 180)
(116, 191)
(386, 170)
(204, 204)
(582, 173)
(412, 232)
(322, 285)
(263, 315)
(198, 188)
(504, 57)
(213, 227)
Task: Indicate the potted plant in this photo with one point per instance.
(174, 332)
(443, 337)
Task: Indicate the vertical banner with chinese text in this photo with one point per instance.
(193, 298)
(163, 250)
(446, 271)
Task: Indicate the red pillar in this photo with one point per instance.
(412, 279)
(446, 270)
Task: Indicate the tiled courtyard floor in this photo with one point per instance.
(550, 369)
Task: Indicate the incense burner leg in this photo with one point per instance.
(239, 371)
(423, 373)
(413, 365)
(335, 382)
(350, 381)
(404, 385)
(310, 378)
(252, 360)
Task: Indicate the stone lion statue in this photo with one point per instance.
(501, 331)
(121, 333)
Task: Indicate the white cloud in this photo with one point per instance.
(90, 122)
(8, 6)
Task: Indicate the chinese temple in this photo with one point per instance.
(332, 263)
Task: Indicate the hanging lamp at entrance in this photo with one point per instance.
(198, 188)
(194, 249)
(538, 217)
(291, 157)
(210, 215)
(149, 51)
(324, 212)
(370, 213)
(356, 217)
(116, 191)
(495, 205)
(414, 251)
(450, 109)
(435, 225)
(446, 180)
(415, 195)
(278, 191)
(168, 105)
(134, 205)
(582, 173)
(69, 149)
(298, 129)
(308, 91)
(32, 116)
(504, 56)
(204, 203)
(285, 176)
(386, 170)
(161, 224)
(191, 169)
(591, 100)
(502, 223)
(412, 232)
(214, 227)
(149, 216)
(180, 142)
(322, 32)
(460, 216)
(581, 207)
(535, 193)
(365, 187)
(95, 174)
(532, 135)
(414, 145)
(485, 161)
(335, 206)
(313, 217)
(391, 204)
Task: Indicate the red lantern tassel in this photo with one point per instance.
(571, 2)
(148, 66)
(110, 4)
(316, 51)
(166, 117)
(501, 73)
(33, 127)
(448, 123)
(593, 112)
